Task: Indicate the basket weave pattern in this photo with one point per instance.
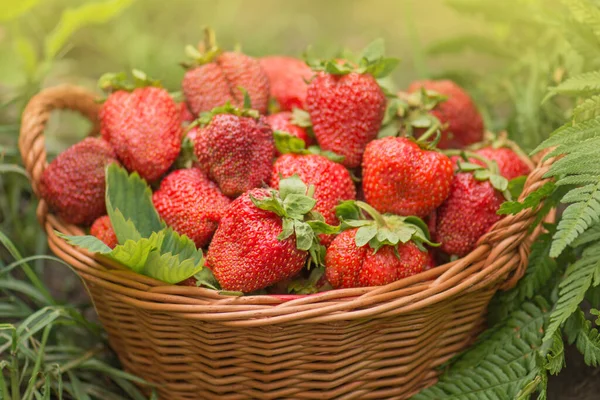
(364, 343)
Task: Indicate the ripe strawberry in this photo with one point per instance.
(235, 151)
(282, 121)
(346, 104)
(73, 185)
(216, 77)
(287, 77)
(103, 230)
(143, 126)
(331, 180)
(190, 203)
(262, 240)
(401, 178)
(377, 253)
(467, 214)
(509, 163)
(184, 113)
(458, 112)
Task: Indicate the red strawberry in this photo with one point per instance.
(282, 121)
(458, 112)
(185, 114)
(401, 178)
(346, 113)
(467, 214)
(287, 77)
(144, 128)
(103, 230)
(376, 253)
(73, 185)
(331, 180)
(261, 240)
(509, 163)
(216, 78)
(235, 151)
(190, 203)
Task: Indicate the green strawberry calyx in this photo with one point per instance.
(287, 143)
(372, 61)
(206, 52)
(294, 203)
(206, 117)
(111, 82)
(382, 229)
(490, 172)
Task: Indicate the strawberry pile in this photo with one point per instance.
(277, 175)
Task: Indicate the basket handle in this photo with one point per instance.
(35, 117)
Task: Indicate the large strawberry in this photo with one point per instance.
(461, 121)
(73, 184)
(375, 252)
(331, 180)
(142, 123)
(235, 149)
(287, 78)
(470, 210)
(190, 203)
(216, 77)
(265, 237)
(402, 178)
(347, 105)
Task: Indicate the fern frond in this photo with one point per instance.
(589, 108)
(579, 330)
(579, 277)
(583, 179)
(577, 217)
(583, 147)
(572, 133)
(498, 367)
(583, 41)
(586, 13)
(590, 236)
(585, 84)
(555, 354)
(532, 200)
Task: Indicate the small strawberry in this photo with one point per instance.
(331, 180)
(510, 164)
(400, 177)
(185, 115)
(103, 230)
(235, 149)
(287, 77)
(190, 203)
(265, 237)
(283, 121)
(73, 184)
(375, 252)
(470, 210)
(347, 105)
(216, 77)
(142, 123)
(461, 121)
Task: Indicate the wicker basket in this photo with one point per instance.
(365, 343)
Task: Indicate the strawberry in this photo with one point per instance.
(216, 77)
(73, 184)
(469, 211)
(283, 121)
(287, 77)
(142, 124)
(185, 114)
(190, 203)
(331, 180)
(402, 178)
(375, 252)
(347, 105)
(510, 164)
(265, 237)
(103, 230)
(235, 149)
(461, 121)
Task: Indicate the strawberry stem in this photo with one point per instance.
(491, 165)
(372, 212)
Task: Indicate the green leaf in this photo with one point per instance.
(301, 118)
(333, 68)
(304, 235)
(499, 182)
(207, 279)
(132, 196)
(247, 100)
(364, 234)
(72, 19)
(587, 339)
(374, 50)
(287, 229)
(90, 243)
(272, 203)
(555, 355)
(13, 9)
(134, 254)
(291, 185)
(467, 166)
(320, 227)
(482, 174)
(532, 200)
(383, 68)
(288, 143)
(348, 210)
(296, 205)
(516, 185)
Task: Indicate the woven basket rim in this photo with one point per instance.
(498, 260)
